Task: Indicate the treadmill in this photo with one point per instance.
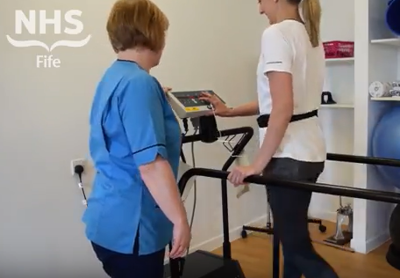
(202, 264)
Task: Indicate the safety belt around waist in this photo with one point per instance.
(263, 120)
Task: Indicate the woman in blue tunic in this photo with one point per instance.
(135, 208)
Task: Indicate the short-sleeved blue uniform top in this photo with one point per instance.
(131, 123)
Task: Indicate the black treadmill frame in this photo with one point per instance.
(330, 189)
(248, 133)
(338, 158)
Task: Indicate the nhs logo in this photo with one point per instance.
(41, 23)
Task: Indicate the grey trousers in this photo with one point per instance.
(290, 214)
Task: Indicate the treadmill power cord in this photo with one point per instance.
(195, 124)
(181, 261)
(194, 188)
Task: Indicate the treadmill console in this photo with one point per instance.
(188, 105)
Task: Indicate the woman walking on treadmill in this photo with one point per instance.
(290, 78)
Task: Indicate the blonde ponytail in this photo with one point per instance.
(312, 19)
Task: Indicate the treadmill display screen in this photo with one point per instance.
(190, 99)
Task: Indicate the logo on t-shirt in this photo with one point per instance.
(274, 62)
(36, 24)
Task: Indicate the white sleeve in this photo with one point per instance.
(276, 51)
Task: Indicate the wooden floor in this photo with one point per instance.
(255, 256)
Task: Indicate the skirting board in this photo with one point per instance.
(234, 234)
(364, 247)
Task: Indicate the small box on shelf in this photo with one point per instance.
(339, 49)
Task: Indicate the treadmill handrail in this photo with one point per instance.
(331, 189)
(363, 159)
(237, 150)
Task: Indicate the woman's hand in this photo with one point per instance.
(220, 109)
(167, 89)
(239, 173)
(181, 240)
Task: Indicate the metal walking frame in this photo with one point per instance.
(373, 195)
(331, 157)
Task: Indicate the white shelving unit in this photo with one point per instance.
(337, 120)
(377, 59)
(337, 106)
(389, 42)
(385, 98)
(339, 60)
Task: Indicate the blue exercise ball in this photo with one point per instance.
(386, 144)
(392, 16)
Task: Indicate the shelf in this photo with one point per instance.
(337, 106)
(339, 60)
(385, 98)
(389, 42)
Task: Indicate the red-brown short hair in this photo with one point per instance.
(136, 23)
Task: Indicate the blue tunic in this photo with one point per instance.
(131, 123)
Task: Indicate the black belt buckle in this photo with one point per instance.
(262, 121)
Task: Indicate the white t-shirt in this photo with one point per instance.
(286, 47)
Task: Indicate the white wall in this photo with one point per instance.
(44, 124)
(337, 120)
(223, 56)
(44, 115)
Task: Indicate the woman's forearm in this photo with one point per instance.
(277, 125)
(160, 181)
(248, 109)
